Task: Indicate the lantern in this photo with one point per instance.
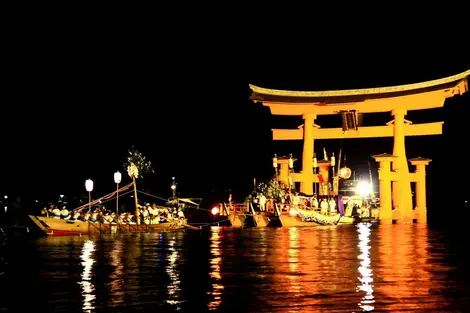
(345, 173)
(89, 185)
(315, 163)
(117, 177)
(291, 162)
(333, 160)
(275, 161)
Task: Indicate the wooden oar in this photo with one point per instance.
(189, 226)
(192, 227)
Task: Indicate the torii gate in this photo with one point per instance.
(396, 99)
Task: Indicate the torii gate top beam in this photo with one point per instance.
(419, 96)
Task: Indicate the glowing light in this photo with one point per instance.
(365, 271)
(345, 173)
(117, 177)
(61, 196)
(293, 212)
(89, 185)
(363, 188)
(87, 286)
(215, 210)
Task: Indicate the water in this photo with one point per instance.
(396, 268)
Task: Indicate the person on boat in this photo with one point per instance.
(94, 216)
(262, 202)
(45, 212)
(56, 212)
(145, 215)
(181, 214)
(324, 206)
(64, 213)
(315, 203)
(75, 215)
(332, 206)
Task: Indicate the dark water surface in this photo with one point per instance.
(396, 268)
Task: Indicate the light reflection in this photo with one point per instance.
(174, 285)
(293, 259)
(365, 270)
(215, 261)
(87, 286)
(117, 277)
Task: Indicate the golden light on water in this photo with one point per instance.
(215, 261)
(173, 287)
(365, 278)
(87, 286)
(293, 259)
(117, 276)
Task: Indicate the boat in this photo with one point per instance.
(239, 214)
(52, 226)
(284, 206)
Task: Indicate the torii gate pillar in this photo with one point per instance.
(401, 187)
(420, 190)
(306, 185)
(385, 190)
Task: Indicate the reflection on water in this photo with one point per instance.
(365, 270)
(215, 261)
(174, 285)
(87, 286)
(116, 285)
(293, 259)
(384, 268)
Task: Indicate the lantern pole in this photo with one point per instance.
(137, 217)
(117, 180)
(173, 187)
(133, 172)
(275, 167)
(315, 165)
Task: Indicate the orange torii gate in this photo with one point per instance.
(396, 201)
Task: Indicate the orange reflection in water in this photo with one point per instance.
(174, 285)
(117, 276)
(310, 271)
(366, 275)
(403, 269)
(215, 261)
(87, 286)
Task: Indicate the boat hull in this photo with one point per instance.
(59, 227)
(309, 218)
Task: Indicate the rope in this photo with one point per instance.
(150, 195)
(106, 197)
(156, 197)
(209, 224)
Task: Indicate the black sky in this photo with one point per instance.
(72, 111)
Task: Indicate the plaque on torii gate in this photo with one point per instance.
(397, 100)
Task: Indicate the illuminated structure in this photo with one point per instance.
(396, 203)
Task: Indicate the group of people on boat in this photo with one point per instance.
(148, 214)
(326, 205)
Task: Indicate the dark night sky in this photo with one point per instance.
(74, 111)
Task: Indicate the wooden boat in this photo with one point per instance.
(310, 217)
(60, 227)
(238, 214)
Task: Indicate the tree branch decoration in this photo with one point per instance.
(137, 164)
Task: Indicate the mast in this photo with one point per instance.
(370, 181)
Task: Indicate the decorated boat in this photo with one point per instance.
(61, 227)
